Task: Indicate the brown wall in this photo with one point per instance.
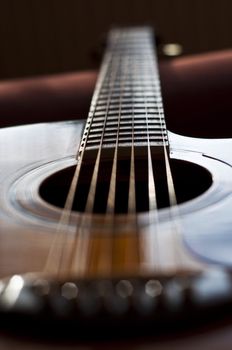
(48, 36)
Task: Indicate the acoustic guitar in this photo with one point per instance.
(115, 231)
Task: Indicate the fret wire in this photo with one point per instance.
(140, 75)
(126, 106)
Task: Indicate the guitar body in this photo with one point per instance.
(30, 154)
(115, 228)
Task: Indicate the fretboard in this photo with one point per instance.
(127, 107)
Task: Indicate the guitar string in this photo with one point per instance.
(126, 66)
(56, 252)
(150, 241)
(132, 190)
(65, 217)
(80, 249)
(112, 187)
(174, 211)
(131, 193)
(90, 200)
(110, 206)
(108, 245)
(111, 198)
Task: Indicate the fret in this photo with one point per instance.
(131, 112)
(138, 78)
(126, 122)
(138, 138)
(153, 107)
(142, 76)
(127, 95)
(130, 100)
(135, 54)
(128, 132)
(129, 44)
(127, 128)
(128, 86)
(125, 106)
(127, 142)
(136, 117)
(139, 72)
(137, 63)
(128, 136)
(131, 89)
(114, 124)
(125, 81)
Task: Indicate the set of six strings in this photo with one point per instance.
(60, 258)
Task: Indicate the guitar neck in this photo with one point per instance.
(127, 106)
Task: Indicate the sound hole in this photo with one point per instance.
(190, 180)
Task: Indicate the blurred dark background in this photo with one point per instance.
(50, 36)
